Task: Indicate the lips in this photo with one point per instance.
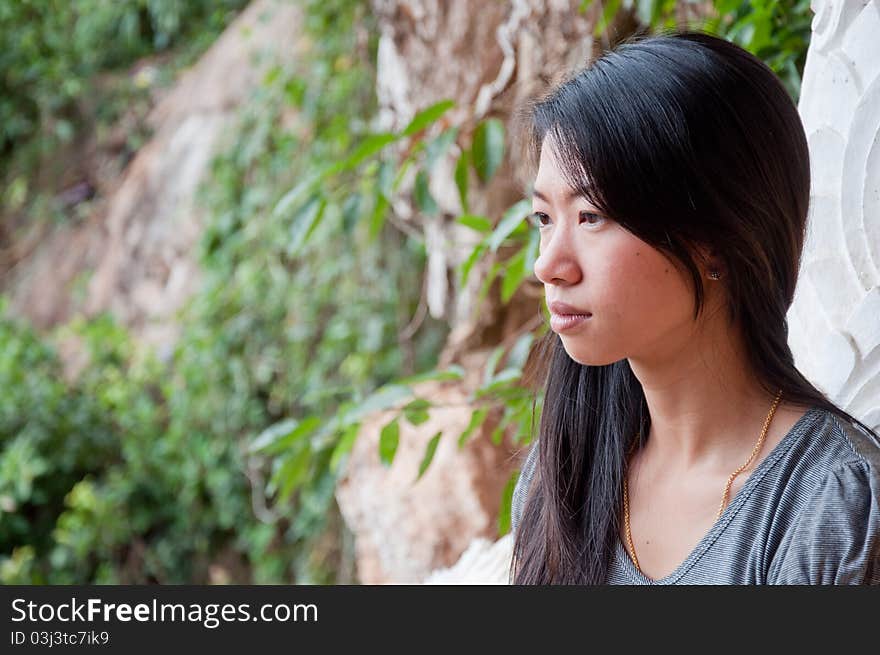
(564, 309)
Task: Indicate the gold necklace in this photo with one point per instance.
(755, 450)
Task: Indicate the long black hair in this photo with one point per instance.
(686, 140)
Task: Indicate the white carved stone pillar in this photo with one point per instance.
(834, 322)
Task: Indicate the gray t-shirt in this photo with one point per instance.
(808, 514)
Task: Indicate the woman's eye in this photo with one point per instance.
(536, 219)
(586, 217)
(540, 219)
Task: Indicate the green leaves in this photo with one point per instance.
(519, 267)
(303, 189)
(308, 200)
(512, 223)
(461, 177)
(388, 441)
(292, 473)
(478, 223)
(344, 446)
(513, 220)
(281, 436)
(532, 250)
(492, 363)
(367, 148)
(452, 372)
(504, 383)
(468, 264)
(383, 398)
(416, 412)
(609, 10)
(488, 148)
(424, 200)
(377, 216)
(305, 222)
(477, 418)
(427, 116)
(506, 504)
(514, 273)
(429, 454)
(438, 146)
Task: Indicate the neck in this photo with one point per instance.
(706, 406)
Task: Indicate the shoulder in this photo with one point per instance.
(863, 446)
(829, 440)
(835, 535)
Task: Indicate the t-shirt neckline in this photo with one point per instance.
(622, 554)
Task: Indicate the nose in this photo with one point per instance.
(557, 262)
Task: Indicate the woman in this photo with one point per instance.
(678, 443)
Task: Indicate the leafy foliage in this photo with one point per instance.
(185, 488)
(49, 50)
(777, 31)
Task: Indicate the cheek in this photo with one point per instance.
(642, 288)
(639, 300)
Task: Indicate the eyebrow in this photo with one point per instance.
(571, 195)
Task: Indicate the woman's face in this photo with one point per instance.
(640, 303)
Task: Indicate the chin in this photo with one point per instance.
(588, 358)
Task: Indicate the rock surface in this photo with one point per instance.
(138, 255)
(406, 528)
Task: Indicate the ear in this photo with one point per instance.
(707, 259)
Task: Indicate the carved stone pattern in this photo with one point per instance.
(834, 321)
